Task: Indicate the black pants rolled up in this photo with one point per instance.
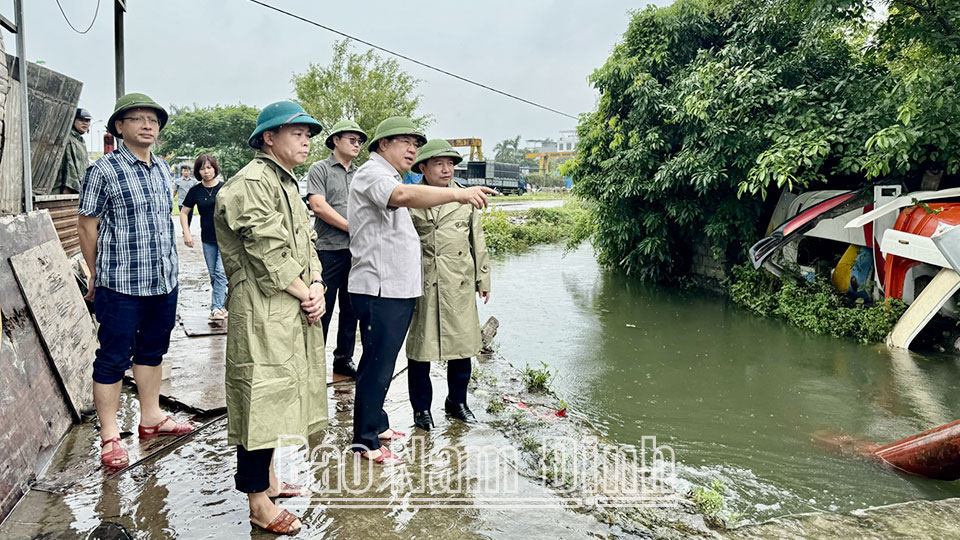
(253, 469)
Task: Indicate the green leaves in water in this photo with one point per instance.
(813, 306)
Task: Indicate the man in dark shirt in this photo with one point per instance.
(327, 188)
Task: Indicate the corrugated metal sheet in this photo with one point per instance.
(63, 211)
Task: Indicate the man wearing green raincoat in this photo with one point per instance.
(455, 266)
(275, 372)
(75, 161)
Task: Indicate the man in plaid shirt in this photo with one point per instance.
(127, 240)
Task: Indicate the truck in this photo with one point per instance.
(503, 177)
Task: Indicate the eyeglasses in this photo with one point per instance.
(408, 141)
(353, 140)
(141, 119)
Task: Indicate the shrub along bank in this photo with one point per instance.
(516, 231)
(814, 306)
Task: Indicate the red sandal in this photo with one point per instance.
(394, 436)
(179, 428)
(282, 524)
(386, 457)
(116, 458)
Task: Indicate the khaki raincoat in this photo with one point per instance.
(455, 267)
(275, 373)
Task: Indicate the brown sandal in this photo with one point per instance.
(282, 524)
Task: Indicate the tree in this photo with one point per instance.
(706, 106)
(509, 151)
(362, 87)
(222, 131)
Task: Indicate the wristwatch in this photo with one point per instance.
(321, 282)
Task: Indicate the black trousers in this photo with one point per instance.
(336, 269)
(383, 325)
(421, 390)
(253, 469)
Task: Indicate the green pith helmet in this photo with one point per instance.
(435, 148)
(393, 126)
(279, 114)
(345, 126)
(134, 100)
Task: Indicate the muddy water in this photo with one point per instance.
(508, 205)
(738, 398)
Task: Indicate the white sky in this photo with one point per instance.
(208, 52)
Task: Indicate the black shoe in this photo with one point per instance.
(460, 411)
(345, 368)
(423, 420)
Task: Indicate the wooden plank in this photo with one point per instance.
(60, 213)
(61, 315)
(199, 324)
(11, 155)
(33, 409)
(53, 99)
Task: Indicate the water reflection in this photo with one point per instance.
(737, 397)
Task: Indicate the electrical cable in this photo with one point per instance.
(95, 13)
(409, 59)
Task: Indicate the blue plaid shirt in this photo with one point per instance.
(136, 250)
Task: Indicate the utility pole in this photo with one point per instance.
(119, 7)
(24, 110)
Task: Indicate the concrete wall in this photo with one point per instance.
(708, 272)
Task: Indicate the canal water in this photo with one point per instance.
(740, 399)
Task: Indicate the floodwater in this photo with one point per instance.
(507, 205)
(737, 397)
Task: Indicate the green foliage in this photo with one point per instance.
(221, 131)
(538, 379)
(706, 106)
(504, 232)
(495, 405)
(509, 151)
(711, 504)
(362, 87)
(813, 306)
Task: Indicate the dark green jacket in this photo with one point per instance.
(74, 164)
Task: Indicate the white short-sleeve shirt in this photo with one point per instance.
(384, 245)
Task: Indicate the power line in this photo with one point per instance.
(95, 13)
(407, 58)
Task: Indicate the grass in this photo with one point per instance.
(504, 233)
(538, 379)
(710, 503)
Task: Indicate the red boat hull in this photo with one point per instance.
(935, 453)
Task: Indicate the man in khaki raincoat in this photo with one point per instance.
(275, 373)
(455, 266)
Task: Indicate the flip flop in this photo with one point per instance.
(116, 458)
(282, 524)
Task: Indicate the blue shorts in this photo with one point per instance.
(133, 330)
